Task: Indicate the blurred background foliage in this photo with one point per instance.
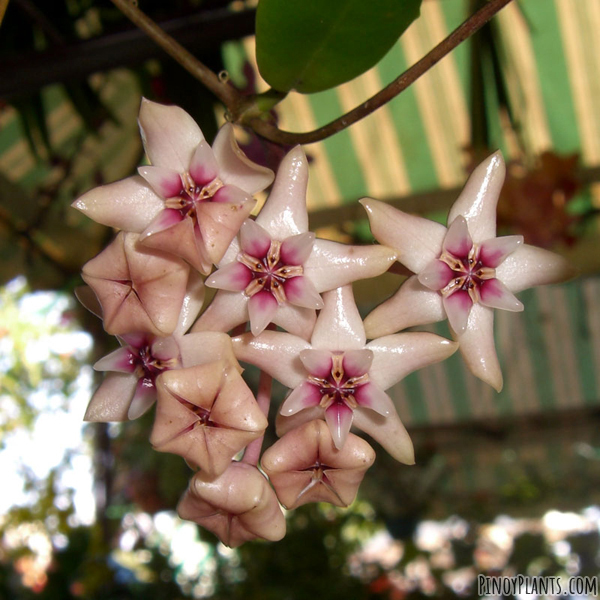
(88, 511)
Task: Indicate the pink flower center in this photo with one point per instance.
(146, 366)
(192, 192)
(269, 272)
(468, 273)
(338, 387)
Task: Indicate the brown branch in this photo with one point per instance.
(226, 93)
(459, 35)
(3, 5)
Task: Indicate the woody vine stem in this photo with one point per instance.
(253, 112)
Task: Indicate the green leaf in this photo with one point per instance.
(313, 45)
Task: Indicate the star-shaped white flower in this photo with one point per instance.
(277, 269)
(462, 272)
(192, 199)
(341, 378)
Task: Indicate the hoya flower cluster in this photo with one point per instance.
(184, 223)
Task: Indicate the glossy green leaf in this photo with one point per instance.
(313, 45)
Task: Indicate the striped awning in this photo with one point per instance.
(550, 354)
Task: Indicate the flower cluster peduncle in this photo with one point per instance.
(184, 222)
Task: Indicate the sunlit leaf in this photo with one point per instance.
(311, 45)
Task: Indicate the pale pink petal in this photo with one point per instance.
(233, 277)
(477, 347)
(413, 304)
(296, 319)
(339, 326)
(416, 240)
(296, 249)
(275, 352)
(129, 204)
(301, 292)
(121, 360)
(237, 506)
(396, 356)
(285, 424)
(388, 431)
(493, 252)
(230, 194)
(165, 349)
(284, 213)
(205, 347)
(317, 362)
(261, 309)
(254, 240)
(203, 166)
(357, 362)
(180, 238)
(529, 266)
(226, 311)
(436, 275)
(111, 400)
(160, 282)
(458, 241)
(168, 217)
(143, 399)
(292, 466)
(85, 295)
(304, 396)
(495, 295)
(372, 396)
(169, 134)
(339, 420)
(192, 303)
(165, 182)
(219, 223)
(135, 340)
(332, 265)
(477, 202)
(235, 167)
(458, 307)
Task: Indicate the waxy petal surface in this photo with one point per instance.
(285, 213)
(529, 266)
(110, 402)
(275, 352)
(479, 198)
(458, 307)
(396, 356)
(129, 204)
(301, 292)
(332, 265)
(203, 166)
(261, 309)
(339, 326)
(296, 249)
(170, 136)
(139, 289)
(339, 420)
(436, 275)
(233, 277)
(227, 418)
(388, 431)
(237, 507)
(254, 240)
(306, 395)
(416, 240)
(457, 240)
(165, 182)
(495, 295)
(494, 251)
(305, 466)
(477, 346)
(235, 168)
